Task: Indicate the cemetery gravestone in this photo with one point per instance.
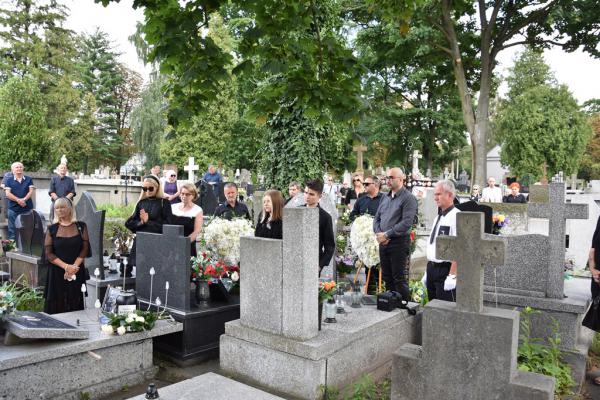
(27, 260)
(203, 323)
(191, 167)
(256, 209)
(416, 174)
(557, 212)
(207, 198)
(87, 212)
(487, 211)
(35, 325)
(359, 156)
(469, 351)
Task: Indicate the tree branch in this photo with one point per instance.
(482, 17)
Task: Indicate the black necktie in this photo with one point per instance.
(437, 221)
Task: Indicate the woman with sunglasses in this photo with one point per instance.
(151, 212)
(357, 190)
(189, 214)
(171, 187)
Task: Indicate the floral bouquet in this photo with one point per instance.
(345, 263)
(8, 245)
(363, 240)
(345, 218)
(413, 239)
(500, 221)
(341, 240)
(326, 291)
(137, 321)
(207, 267)
(418, 292)
(7, 301)
(223, 237)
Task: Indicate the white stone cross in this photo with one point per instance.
(557, 212)
(359, 156)
(472, 251)
(190, 168)
(415, 163)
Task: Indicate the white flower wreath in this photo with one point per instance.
(223, 237)
(363, 240)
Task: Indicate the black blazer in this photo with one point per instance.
(326, 239)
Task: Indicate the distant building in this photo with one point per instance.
(494, 166)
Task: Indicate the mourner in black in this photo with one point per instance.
(514, 196)
(312, 195)
(232, 208)
(152, 211)
(369, 203)
(293, 189)
(392, 225)
(269, 223)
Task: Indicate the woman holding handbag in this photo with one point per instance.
(66, 246)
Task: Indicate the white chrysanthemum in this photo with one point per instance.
(363, 240)
(223, 237)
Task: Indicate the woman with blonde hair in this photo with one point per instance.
(151, 212)
(188, 214)
(270, 219)
(357, 190)
(171, 187)
(67, 244)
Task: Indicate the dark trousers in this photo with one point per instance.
(436, 275)
(393, 258)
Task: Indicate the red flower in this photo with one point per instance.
(412, 236)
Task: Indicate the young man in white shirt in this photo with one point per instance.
(441, 274)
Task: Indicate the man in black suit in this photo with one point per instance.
(312, 194)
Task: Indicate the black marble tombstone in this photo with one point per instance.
(206, 199)
(94, 219)
(204, 323)
(29, 228)
(488, 213)
(27, 260)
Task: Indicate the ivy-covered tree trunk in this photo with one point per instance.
(293, 149)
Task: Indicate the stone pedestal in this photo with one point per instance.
(99, 286)
(29, 266)
(361, 342)
(65, 369)
(203, 325)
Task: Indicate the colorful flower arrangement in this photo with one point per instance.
(223, 237)
(500, 221)
(363, 240)
(13, 297)
(413, 238)
(137, 321)
(326, 290)
(8, 245)
(207, 267)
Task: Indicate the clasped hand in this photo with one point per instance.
(70, 271)
(596, 275)
(382, 239)
(143, 216)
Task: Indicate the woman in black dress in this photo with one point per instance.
(188, 214)
(358, 190)
(66, 246)
(269, 220)
(151, 212)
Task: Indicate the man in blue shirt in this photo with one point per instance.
(212, 177)
(61, 186)
(19, 190)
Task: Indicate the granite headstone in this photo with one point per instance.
(38, 325)
(207, 198)
(29, 229)
(94, 219)
(169, 255)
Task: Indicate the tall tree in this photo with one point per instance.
(492, 26)
(540, 123)
(127, 95)
(23, 133)
(100, 75)
(590, 162)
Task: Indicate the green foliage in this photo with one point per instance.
(113, 211)
(149, 121)
(23, 134)
(137, 321)
(533, 356)
(590, 163)
(542, 125)
(293, 149)
(363, 389)
(22, 296)
(529, 71)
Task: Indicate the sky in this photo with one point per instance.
(577, 70)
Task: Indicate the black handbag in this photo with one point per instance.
(592, 318)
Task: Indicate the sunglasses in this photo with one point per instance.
(357, 180)
(148, 189)
(173, 176)
(367, 183)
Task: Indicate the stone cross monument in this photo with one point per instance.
(360, 149)
(415, 164)
(190, 168)
(469, 352)
(557, 212)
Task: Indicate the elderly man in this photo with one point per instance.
(232, 208)
(293, 189)
(491, 193)
(19, 190)
(441, 274)
(392, 224)
(212, 177)
(370, 203)
(61, 186)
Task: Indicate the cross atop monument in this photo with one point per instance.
(190, 168)
(360, 149)
(472, 251)
(557, 212)
(415, 164)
